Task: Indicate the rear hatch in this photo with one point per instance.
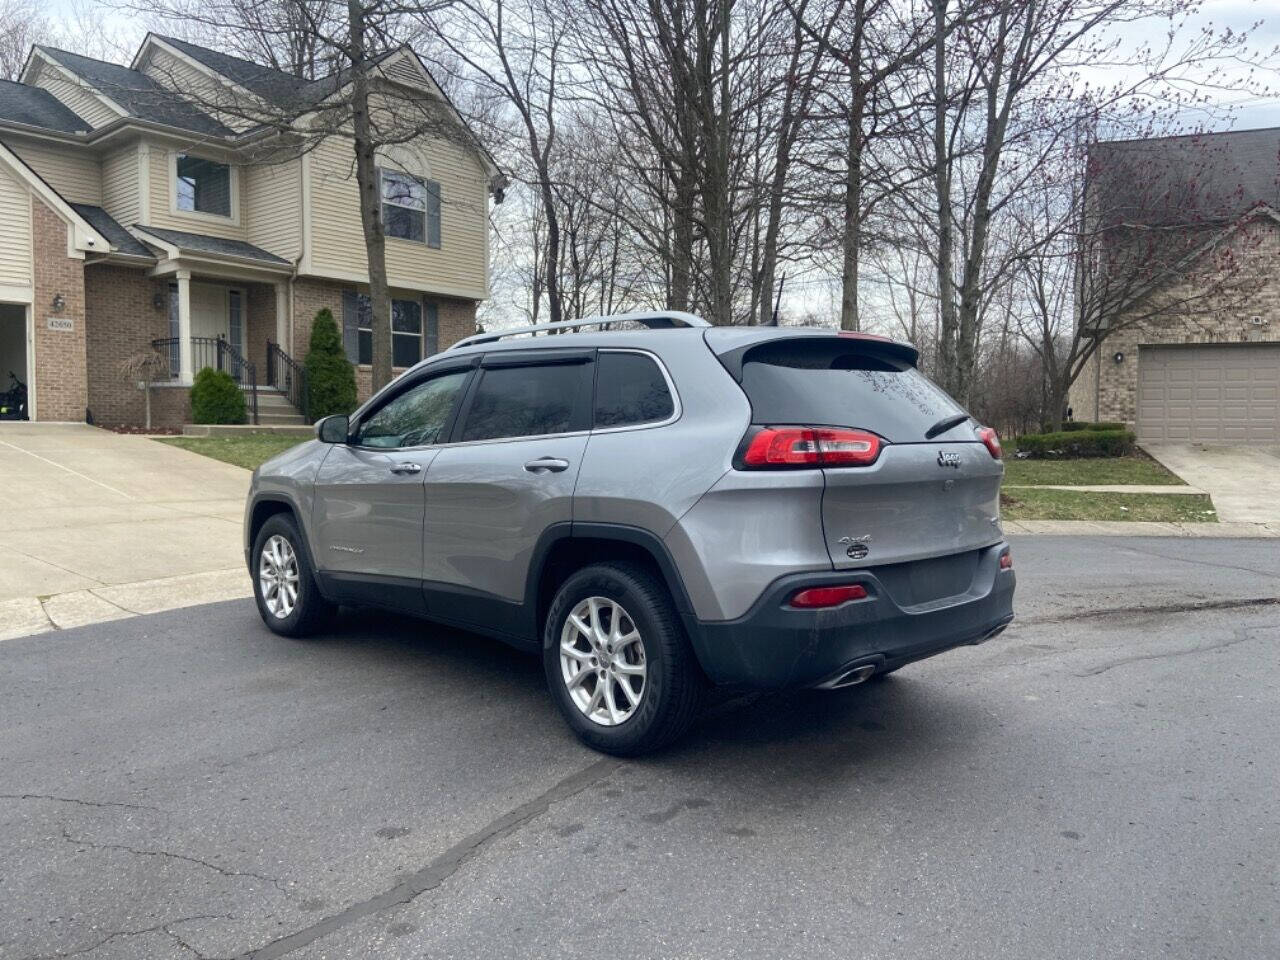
(930, 488)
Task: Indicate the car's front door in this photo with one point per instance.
(508, 476)
(368, 507)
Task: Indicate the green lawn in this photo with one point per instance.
(1031, 504)
(247, 451)
(1084, 472)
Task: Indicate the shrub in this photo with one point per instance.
(1077, 443)
(215, 398)
(1070, 426)
(331, 380)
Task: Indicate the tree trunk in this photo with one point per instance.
(370, 197)
(947, 320)
(851, 242)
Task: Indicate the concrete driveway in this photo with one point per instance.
(98, 525)
(1244, 481)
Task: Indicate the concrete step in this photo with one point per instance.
(240, 429)
(276, 418)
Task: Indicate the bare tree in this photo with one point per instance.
(22, 23)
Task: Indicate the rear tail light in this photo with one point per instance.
(991, 440)
(1006, 560)
(816, 597)
(811, 447)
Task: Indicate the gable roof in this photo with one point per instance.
(266, 82)
(1197, 179)
(216, 246)
(37, 107)
(121, 240)
(136, 92)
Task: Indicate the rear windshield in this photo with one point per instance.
(827, 383)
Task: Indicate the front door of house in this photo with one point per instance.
(218, 311)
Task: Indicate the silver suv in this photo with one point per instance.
(655, 506)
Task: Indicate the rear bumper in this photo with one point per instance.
(775, 646)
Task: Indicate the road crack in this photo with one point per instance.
(1190, 606)
(279, 884)
(118, 934)
(1241, 635)
(442, 867)
(82, 803)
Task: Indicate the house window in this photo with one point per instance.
(204, 186)
(411, 208)
(406, 329)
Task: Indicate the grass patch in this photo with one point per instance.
(1032, 504)
(1085, 472)
(248, 451)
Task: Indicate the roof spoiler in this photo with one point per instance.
(732, 344)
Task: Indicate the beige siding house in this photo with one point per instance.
(171, 228)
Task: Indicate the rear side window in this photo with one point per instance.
(823, 382)
(630, 389)
(529, 401)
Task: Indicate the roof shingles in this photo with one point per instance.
(217, 246)
(37, 107)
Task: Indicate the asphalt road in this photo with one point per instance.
(1101, 781)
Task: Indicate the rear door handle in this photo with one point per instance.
(406, 468)
(547, 465)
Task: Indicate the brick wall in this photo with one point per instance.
(61, 390)
(457, 320)
(121, 320)
(261, 326)
(1253, 290)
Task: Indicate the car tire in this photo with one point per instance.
(290, 605)
(670, 691)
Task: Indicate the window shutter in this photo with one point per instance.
(351, 325)
(431, 332)
(433, 213)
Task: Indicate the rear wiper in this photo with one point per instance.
(945, 424)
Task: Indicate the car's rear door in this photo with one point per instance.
(508, 475)
(924, 495)
(367, 512)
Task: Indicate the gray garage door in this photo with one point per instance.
(1214, 392)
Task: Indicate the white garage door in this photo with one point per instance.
(1213, 392)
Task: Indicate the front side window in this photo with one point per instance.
(527, 401)
(630, 389)
(411, 208)
(417, 417)
(406, 330)
(204, 186)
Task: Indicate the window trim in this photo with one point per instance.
(677, 407)
(428, 184)
(561, 358)
(377, 402)
(233, 218)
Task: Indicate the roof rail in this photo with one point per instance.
(654, 320)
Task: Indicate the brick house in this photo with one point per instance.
(133, 218)
(1196, 356)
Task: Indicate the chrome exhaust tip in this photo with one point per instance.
(849, 678)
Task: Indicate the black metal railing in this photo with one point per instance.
(218, 353)
(289, 377)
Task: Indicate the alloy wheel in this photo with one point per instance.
(602, 661)
(278, 576)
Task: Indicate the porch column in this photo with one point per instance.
(282, 317)
(185, 356)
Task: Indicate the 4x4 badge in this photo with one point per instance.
(948, 459)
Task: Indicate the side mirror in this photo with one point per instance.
(334, 429)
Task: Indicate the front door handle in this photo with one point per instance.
(547, 465)
(406, 468)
